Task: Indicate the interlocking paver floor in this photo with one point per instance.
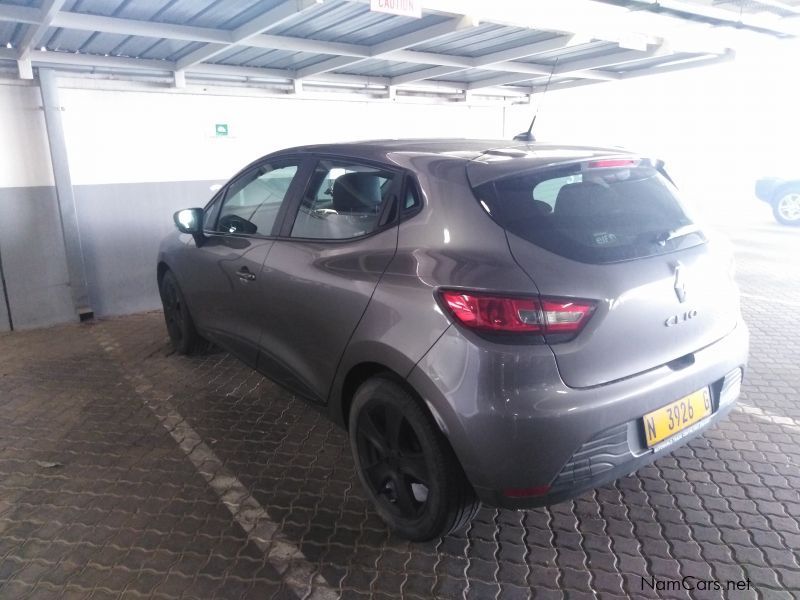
(126, 470)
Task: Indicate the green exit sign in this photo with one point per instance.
(221, 129)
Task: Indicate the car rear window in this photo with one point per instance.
(591, 212)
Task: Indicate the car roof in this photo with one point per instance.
(485, 150)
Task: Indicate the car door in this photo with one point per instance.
(335, 244)
(239, 233)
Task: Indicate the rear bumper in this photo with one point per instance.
(515, 425)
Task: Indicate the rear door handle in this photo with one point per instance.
(245, 275)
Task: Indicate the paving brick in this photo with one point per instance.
(127, 514)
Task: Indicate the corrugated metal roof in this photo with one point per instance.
(33, 3)
(324, 25)
(10, 33)
(265, 59)
(216, 14)
(593, 49)
(469, 76)
(380, 68)
(94, 7)
(352, 23)
(484, 39)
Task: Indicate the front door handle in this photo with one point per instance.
(245, 275)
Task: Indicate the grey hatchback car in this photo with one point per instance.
(499, 322)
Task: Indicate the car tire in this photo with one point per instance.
(786, 206)
(180, 327)
(406, 465)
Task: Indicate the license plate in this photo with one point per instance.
(677, 416)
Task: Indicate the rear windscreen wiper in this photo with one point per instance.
(664, 236)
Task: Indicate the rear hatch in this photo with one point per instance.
(612, 229)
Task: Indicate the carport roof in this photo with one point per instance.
(455, 47)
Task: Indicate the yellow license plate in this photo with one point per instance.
(677, 416)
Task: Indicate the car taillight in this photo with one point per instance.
(514, 314)
(565, 316)
(613, 162)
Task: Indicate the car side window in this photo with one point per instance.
(210, 213)
(343, 200)
(252, 202)
(412, 199)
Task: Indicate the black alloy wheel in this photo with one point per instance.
(392, 459)
(406, 464)
(180, 326)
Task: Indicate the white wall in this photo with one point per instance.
(24, 153)
(149, 135)
(140, 136)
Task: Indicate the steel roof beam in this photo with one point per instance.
(423, 74)
(93, 60)
(66, 59)
(429, 58)
(596, 74)
(520, 77)
(610, 60)
(167, 68)
(33, 34)
(680, 66)
(287, 74)
(264, 22)
(583, 69)
(653, 70)
(187, 33)
(494, 61)
(463, 62)
(499, 80)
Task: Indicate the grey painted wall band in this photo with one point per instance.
(121, 226)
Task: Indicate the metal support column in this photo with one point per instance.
(4, 289)
(48, 84)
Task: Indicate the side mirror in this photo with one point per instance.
(190, 220)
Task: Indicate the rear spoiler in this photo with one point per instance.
(494, 165)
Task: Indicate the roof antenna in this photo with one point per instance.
(527, 136)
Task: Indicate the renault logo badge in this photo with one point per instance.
(680, 282)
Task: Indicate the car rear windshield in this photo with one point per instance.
(594, 212)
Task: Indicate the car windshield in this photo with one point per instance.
(592, 212)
